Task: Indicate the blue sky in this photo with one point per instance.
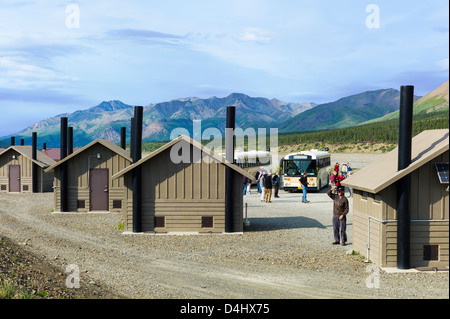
(59, 56)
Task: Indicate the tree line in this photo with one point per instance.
(381, 132)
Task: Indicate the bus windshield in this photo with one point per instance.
(297, 167)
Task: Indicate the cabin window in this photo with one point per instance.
(364, 195)
(81, 204)
(117, 204)
(3, 187)
(430, 252)
(160, 221)
(25, 188)
(207, 221)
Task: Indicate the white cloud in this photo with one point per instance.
(18, 73)
(443, 64)
(255, 35)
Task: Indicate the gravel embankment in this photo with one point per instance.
(285, 253)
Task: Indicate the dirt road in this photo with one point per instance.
(286, 253)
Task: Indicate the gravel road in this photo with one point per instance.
(285, 253)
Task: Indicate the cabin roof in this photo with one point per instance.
(42, 160)
(55, 153)
(196, 144)
(383, 172)
(108, 144)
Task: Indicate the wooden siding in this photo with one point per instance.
(361, 235)
(429, 219)
(26, 173)
(78, 186)
(183, 193)
(422, 233)
(429, 199)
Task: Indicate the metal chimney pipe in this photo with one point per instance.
(137, 172)
(69, 140)
(229, 156)
(13, 141)
(63, 151)
(132, 138)
(404, 184)
(34, 167)
(44, 146)
(123, 138)
(405, 126)
(63, 138)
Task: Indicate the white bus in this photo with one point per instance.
(317, 165)
(251, 161)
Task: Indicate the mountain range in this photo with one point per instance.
(159, 119)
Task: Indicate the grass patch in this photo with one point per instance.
(8, 290)
(120, 225)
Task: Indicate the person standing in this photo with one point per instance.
(268, 186)
(245, 182)
(333, 178)
(262, 177)
(304, 184)
(339, 179)
(257, 177)
(336, 167)
(249, 186)
(340, 211)
(276, 184)
(350, 190)
(344, 169)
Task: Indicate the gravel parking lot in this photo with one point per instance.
(285, 253)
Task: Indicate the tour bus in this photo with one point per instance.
(251, 161)
(317, 165)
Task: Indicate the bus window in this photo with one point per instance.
(297, 167)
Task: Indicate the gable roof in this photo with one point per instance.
(55, 153)
(42, 160)
(108, 144)
(383, 172)
(194, 143)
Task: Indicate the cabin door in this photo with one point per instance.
(99, 195)
(14, 178)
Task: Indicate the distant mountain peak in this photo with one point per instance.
(110, 106)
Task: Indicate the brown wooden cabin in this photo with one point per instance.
(16, 170)
(90, 186)
(186, 197)
(375, 204)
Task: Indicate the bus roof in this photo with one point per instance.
(254, 153)
(314, 153)
(251, 153)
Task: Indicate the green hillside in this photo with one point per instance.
(379, 132)
(435, 101)
(345, 112)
